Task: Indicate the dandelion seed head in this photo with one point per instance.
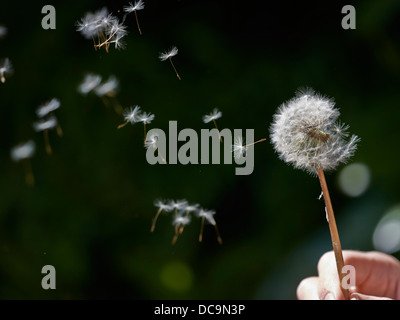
(48, 107)
(168, 54)
(23, 151)
(306, 134)
(89, 83)
(45, 124)
(139, 5)
(214, 115)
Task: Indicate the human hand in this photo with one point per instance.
(377, 277)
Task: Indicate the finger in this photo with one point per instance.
(359, 296)
(329, 283)
(377, 273)
(308, 289)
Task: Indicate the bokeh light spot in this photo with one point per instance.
(177, 276)
(354, 179)
(386, 236)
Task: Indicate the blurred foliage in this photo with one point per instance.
(90, 211)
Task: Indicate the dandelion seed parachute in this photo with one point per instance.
(23, 151)
(48, 107)
(168, 54)
(214, 115)
(89, 83)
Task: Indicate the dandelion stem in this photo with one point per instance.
(216, 127)
(47, 141)
(162, 158)
(333, 230)
(29, 178)
(218, 235)
(250, 144)
(122, 125)
(153, 226)
(144, 126)
(177, 74)
(201, 229)
(3, 78)
(137, 22)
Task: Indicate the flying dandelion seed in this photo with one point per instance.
(48, 108)
(89, 83)
(130, 116)
(306, 134)
(168, 56)
(178, 222)
(214, 115)
(151, 142)
(103, 28)
(138, 5)
(190, 208)
(162, 207)
(208, 215)
(107, 91)
(239, 149)
(181, 217)
(23, 152)
(5, 68)
(146, 118)
(45, 125)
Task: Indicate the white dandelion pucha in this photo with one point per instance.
(23, 152)
(167, 55)
(138, 5)
(214, 115)
(89, 83)
(305, 133)
(5, 68)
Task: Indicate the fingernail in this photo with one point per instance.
(329, 296)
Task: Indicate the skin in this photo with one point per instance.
(377, 278)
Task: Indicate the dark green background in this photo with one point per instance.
(90, 211)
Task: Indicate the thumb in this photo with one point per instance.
(359, 296)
